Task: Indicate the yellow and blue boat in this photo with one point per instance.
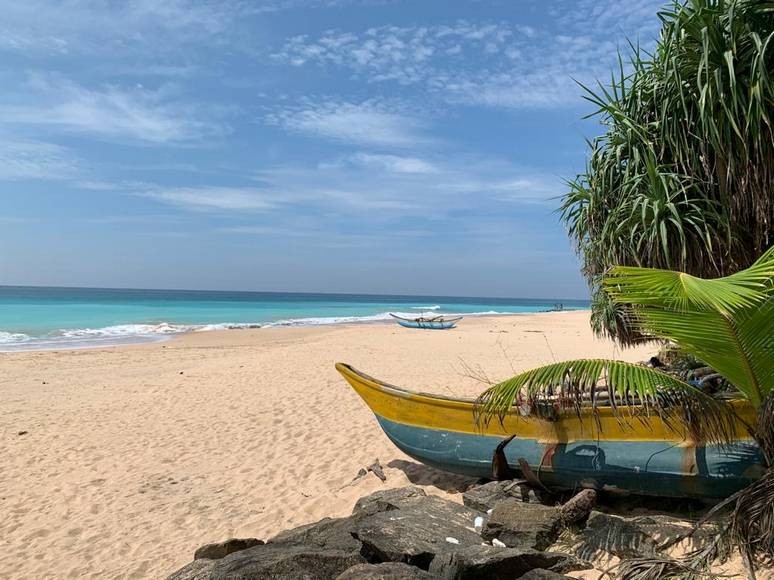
(644, 457)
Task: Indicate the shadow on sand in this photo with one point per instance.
(419, 474)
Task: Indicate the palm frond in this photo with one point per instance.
(680, 291)
(727, 322)
(633, 392)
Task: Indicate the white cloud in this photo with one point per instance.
(79, 26)
(110, 113)
(20, 160)
(368, 122)
(394, 163)
(497, 64)
(213, 198)
(370, 187)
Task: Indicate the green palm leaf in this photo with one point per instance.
(631, 390)
(727, 322)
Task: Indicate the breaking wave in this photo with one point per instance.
(121, 334)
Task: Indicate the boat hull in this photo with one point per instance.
(427, 325)
(638, 457)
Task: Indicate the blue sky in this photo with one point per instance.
(299, 145)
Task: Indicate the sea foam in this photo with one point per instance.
(120, 334)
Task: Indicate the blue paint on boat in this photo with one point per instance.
(640, 467)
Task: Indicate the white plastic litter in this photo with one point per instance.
(478, 523)
(452, 540)
(498, 543)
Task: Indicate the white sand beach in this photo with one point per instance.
(133, 457)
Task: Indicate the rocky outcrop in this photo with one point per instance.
(417, 532)
(492, 563)
(523, 525)
(485, 497)
(501, 532)
(386, 571)
(223, 549)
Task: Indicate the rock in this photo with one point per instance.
(327, 533)
(487, 496)
(487, 562)
(274, 561)
(523, 525)
(223, 549)
(389, 499)
(387, 571)
(541, 574)
(417, 532)
(196, 570)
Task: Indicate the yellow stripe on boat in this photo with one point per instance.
(456, 415)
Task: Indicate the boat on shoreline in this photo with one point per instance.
(429, 323)
(642, 456)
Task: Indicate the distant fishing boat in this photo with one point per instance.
(644, 457)
(434, 322)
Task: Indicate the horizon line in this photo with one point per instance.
(287, 292)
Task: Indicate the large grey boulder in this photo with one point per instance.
(196, 570)
(484, 562)
(523, 525)
(388, 499)
(417, 532)
(485, 497)
(386, 571)
(331, 533)
(277, 562)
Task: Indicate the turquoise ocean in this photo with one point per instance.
(38, 318)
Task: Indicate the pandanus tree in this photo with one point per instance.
(683, 176)
(727, 322)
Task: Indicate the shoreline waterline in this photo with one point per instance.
(38, 318)
(43, 344)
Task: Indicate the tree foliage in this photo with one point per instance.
(683, 176)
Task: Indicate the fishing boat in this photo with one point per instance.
(603, 452)
(434, 322)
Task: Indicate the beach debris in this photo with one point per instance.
(386, 570)
(478, 524)
(498, 544)
(376, 469)
(20, 433)
(452, 540)
(578, 508)
(223, 549)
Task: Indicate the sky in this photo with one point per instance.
(376, 146)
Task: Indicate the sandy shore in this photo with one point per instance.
(132, 457)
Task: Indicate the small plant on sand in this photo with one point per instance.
(726, 322)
